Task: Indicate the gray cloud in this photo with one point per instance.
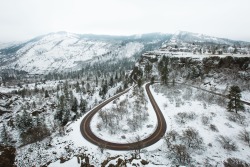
(25, 19)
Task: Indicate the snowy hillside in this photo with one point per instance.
(56, 52)
(189, 37)
(8, 44)
(59, 51)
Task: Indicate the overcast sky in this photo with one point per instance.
(25, 19)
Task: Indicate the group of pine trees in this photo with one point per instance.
(65, 99)
(164, 70)
(31, 129)
(68, 104)
(235, 104)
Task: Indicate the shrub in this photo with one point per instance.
(170, 137)
(205, 120)
(180, 153)
(181, 117)
(238, 118)
(235, 162)
(213, 128)
(191, 115)
(244, 135)
(227, 143)
(192, 138)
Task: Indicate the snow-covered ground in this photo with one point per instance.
(174, 103)
(126, 134)
(189, 54)
(171, 103)
(57, 52)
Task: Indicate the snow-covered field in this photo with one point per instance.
(174, 101)
(126, 134)
(179, 100)
(190, 54)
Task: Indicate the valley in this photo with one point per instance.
(151, 100)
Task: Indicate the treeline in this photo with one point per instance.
(91, 70)
(191, 69)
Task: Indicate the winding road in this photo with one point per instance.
(153, 138)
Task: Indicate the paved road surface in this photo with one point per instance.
(153, 138)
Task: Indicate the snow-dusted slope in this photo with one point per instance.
(189, 37)
(8, 44)
(60, 51)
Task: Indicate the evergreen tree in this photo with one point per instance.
(74, 105)
(119, 90)
(83, 90)
(88, 87)
(164, 76)
(27, 119)
(46, 94)
(104, 89)
(36, 89)
(163, 70)
(24, 121)
(116, 76)
(111, 82)
(173, 82)
(57, 88)
(148, 69)
(40, 120)
(152, 80)
(125, 85)
(5, 135)
(77, 87)
(23, 92)
(139, 82)
(71, 97)
(235, 50)
(18, 120)
(62, 102)
(65, 89)
(234, 96)
(96, 81)
(34, 104)
(83, 83)
(59, 115)
(83, 105)
(66, 117)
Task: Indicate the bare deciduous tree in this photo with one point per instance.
(137, 146)
(244, 135)
(236, 117)
(181, 117)
(192, 138)
(227, 143)
(235, 162)
(181, 153)
(170, 137)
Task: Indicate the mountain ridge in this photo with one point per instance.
(62, 50)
